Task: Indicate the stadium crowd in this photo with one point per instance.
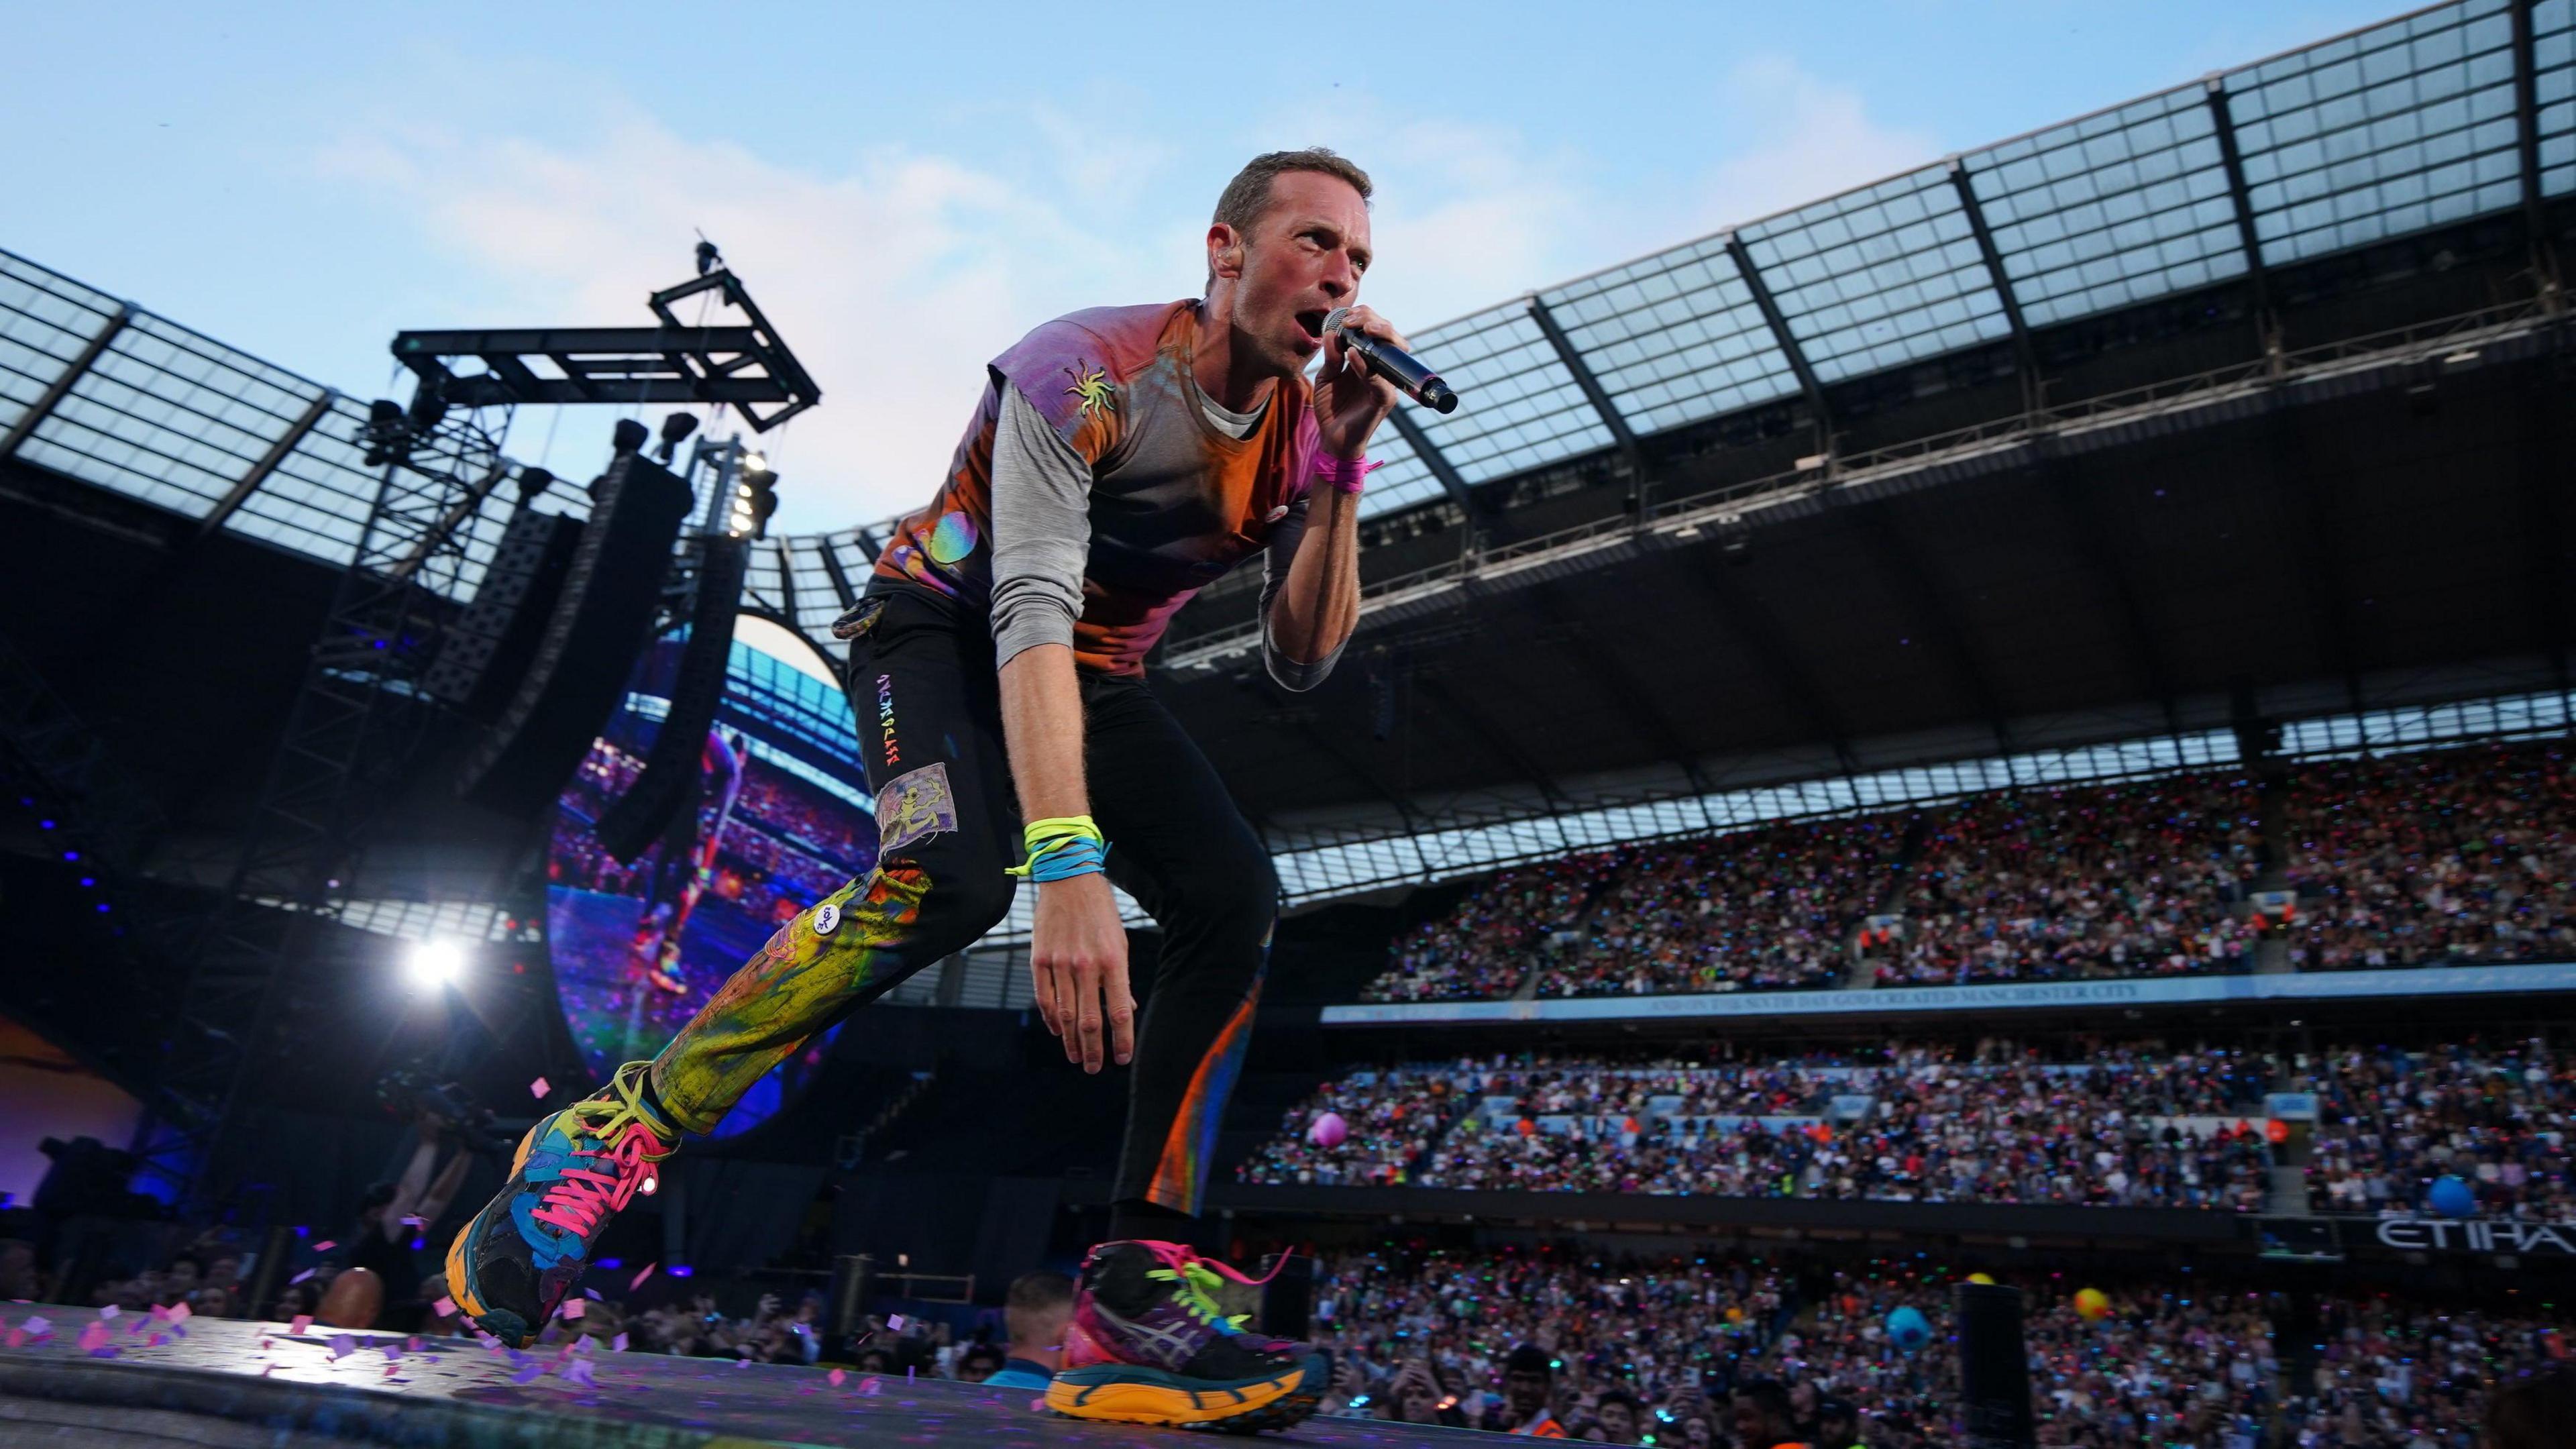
(2463, 856)
(2106, 880)
(1487, 943)
(1770, 909)
(2400, 1375)
(2441, 856)
(2392, 1122)
(1669, 1351)
(2128, 1126)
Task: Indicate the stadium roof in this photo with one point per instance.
(2448, 113)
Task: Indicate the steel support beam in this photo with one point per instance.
(1778, 322)
(1551, 618)
(1926, 600)
(259, 471)
(1429, 452)
(869, 544)
(787, 585)
(1753, 622)
(840, 577)
(2241, 197)
(2097, 542)
(1495, 741)
(2526, 113)
(2023, 355)
(1593, 392)
(61, 387)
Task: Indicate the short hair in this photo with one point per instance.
(1769, 1397)
(983, 1353)
(2534, 1411)
(1529, 1358)
(1246, 199)
(1034, 1300)
(1607, 1397)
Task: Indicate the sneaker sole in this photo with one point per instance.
(502, 1324)
(1131, 1394)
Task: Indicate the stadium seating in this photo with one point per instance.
(2457, 856)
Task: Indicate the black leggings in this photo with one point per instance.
(930, 730)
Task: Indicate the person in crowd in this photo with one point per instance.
(1764, 1418)
(1035, 1313)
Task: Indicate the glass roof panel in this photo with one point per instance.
(1404, 481)
(2401, 127)
(1879, 277)
(169, 417)
(318, 498)
(2553, 46)
(2112, 209)
(1674, 338)
(1518, 407)
(45, 321)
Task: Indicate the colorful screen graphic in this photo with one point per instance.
(781, 820)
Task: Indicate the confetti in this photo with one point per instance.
(298, 1278)
(580, 1372)
(640, 1277)
(528, 1372)
(302, 1322)
(895, 1322)
(1038, 1404)
(110, 1311)
(342, 1345)
(618, 1344)
(38, 1328)
(835, 1376)
(17, 1336)
(871, 1387)
(391, 1351)
(414, 1343)
(742, 1363)
(325, 1246)
(573, 1308)
(539, 1088)
(592, 1294)
(444, 1307)
(92, 1336)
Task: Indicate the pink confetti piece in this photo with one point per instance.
(267, 1369)
(181, 1313)
(160, 1340)
(836, 1376)
(267, 1343)
(38, 1328)
(159, 1313)
(539, 1088)
(414, 1343)
(573, 1308)
(325, 1246)
(618, 1343)
(1038, 1405)
(639, 1278)
(302, 1322)
(871, 1387)
(92, 1336)
(392, 1369)
(342, 1345)
(444, 1307)
(17, 1337)
(895, 1322)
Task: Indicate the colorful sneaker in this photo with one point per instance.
(520, 1257)
(1151, 1344)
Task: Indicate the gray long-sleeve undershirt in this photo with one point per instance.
(1042, 538)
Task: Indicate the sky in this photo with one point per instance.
(908, 189)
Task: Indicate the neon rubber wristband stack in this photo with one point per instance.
(1345, 474)
(1068, 845)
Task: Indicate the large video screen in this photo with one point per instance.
(782, 820)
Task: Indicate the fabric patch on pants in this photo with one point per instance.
(912, 805)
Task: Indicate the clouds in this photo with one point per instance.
(897, 270)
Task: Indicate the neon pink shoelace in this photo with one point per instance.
(576, 1201)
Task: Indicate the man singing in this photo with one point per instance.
(1121, 460)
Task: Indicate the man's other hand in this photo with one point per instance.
(1078, 962)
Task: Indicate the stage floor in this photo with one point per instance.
(132, 1381)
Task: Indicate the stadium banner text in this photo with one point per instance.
(2478, 1235)
(2185, 991)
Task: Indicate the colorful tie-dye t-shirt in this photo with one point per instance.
(1175, 501)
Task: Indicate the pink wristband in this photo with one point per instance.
(1345, 474)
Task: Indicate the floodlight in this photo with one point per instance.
(435, 963)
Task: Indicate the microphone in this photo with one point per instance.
(1394, 364)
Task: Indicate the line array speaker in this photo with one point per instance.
(669, 780)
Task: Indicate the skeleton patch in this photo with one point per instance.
(912, 805)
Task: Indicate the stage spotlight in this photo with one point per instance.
(755, 496)
(675, 430)
(435, 963)
(533, 483)
(627, 437)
